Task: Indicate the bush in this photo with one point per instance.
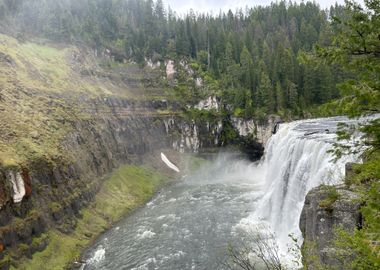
(355, 252)
(258, 250)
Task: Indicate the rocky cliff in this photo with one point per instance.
(326, 210)
(260, 131)
(66, 122)
(43, 193)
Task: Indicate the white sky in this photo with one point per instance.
(214, 6)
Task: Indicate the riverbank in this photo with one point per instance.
(123, 191)
(127, 188)
(188, 225)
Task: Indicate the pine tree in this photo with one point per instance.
(265, 95)
(246, 68)
(280, 98)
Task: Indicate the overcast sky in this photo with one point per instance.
(183, 6)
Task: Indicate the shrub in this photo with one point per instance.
(332, 196)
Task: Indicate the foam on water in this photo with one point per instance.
(145, 234)
(98, 256)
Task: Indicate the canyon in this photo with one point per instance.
(70, 117)
(74, 126)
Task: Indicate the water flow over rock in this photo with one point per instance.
(295, 161)
(189, 225)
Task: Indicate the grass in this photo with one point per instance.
(38, 89)
(45, 67)
(40, 85)
(31, 123)
(332, 196)
(127, 188)
(36, 66)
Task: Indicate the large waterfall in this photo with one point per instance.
(190, 224)
(295, 161)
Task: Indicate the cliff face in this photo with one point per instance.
(46, 193)
(65, 123)
(327, 209)
(261, 132)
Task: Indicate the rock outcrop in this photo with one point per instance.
(211, 103)
(260, 131)
(18, 186)
(325, 210)
(191, 136)
(170, 69)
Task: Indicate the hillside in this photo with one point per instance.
(45, 88)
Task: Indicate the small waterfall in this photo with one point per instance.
(296, 160)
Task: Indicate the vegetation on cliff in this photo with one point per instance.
(127, 188)
(52, 96)
(47, 87)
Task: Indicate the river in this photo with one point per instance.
(190, 224)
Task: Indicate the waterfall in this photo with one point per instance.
(229, 200)
(295, 161)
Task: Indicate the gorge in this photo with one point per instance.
(133, 137)
(59, 146)
(231, 194)
(189, 225)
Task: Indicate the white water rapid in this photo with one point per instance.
(295, 161)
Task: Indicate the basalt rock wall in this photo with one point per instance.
(327, 209)
(50, 191)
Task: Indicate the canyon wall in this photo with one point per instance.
(50, 192)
